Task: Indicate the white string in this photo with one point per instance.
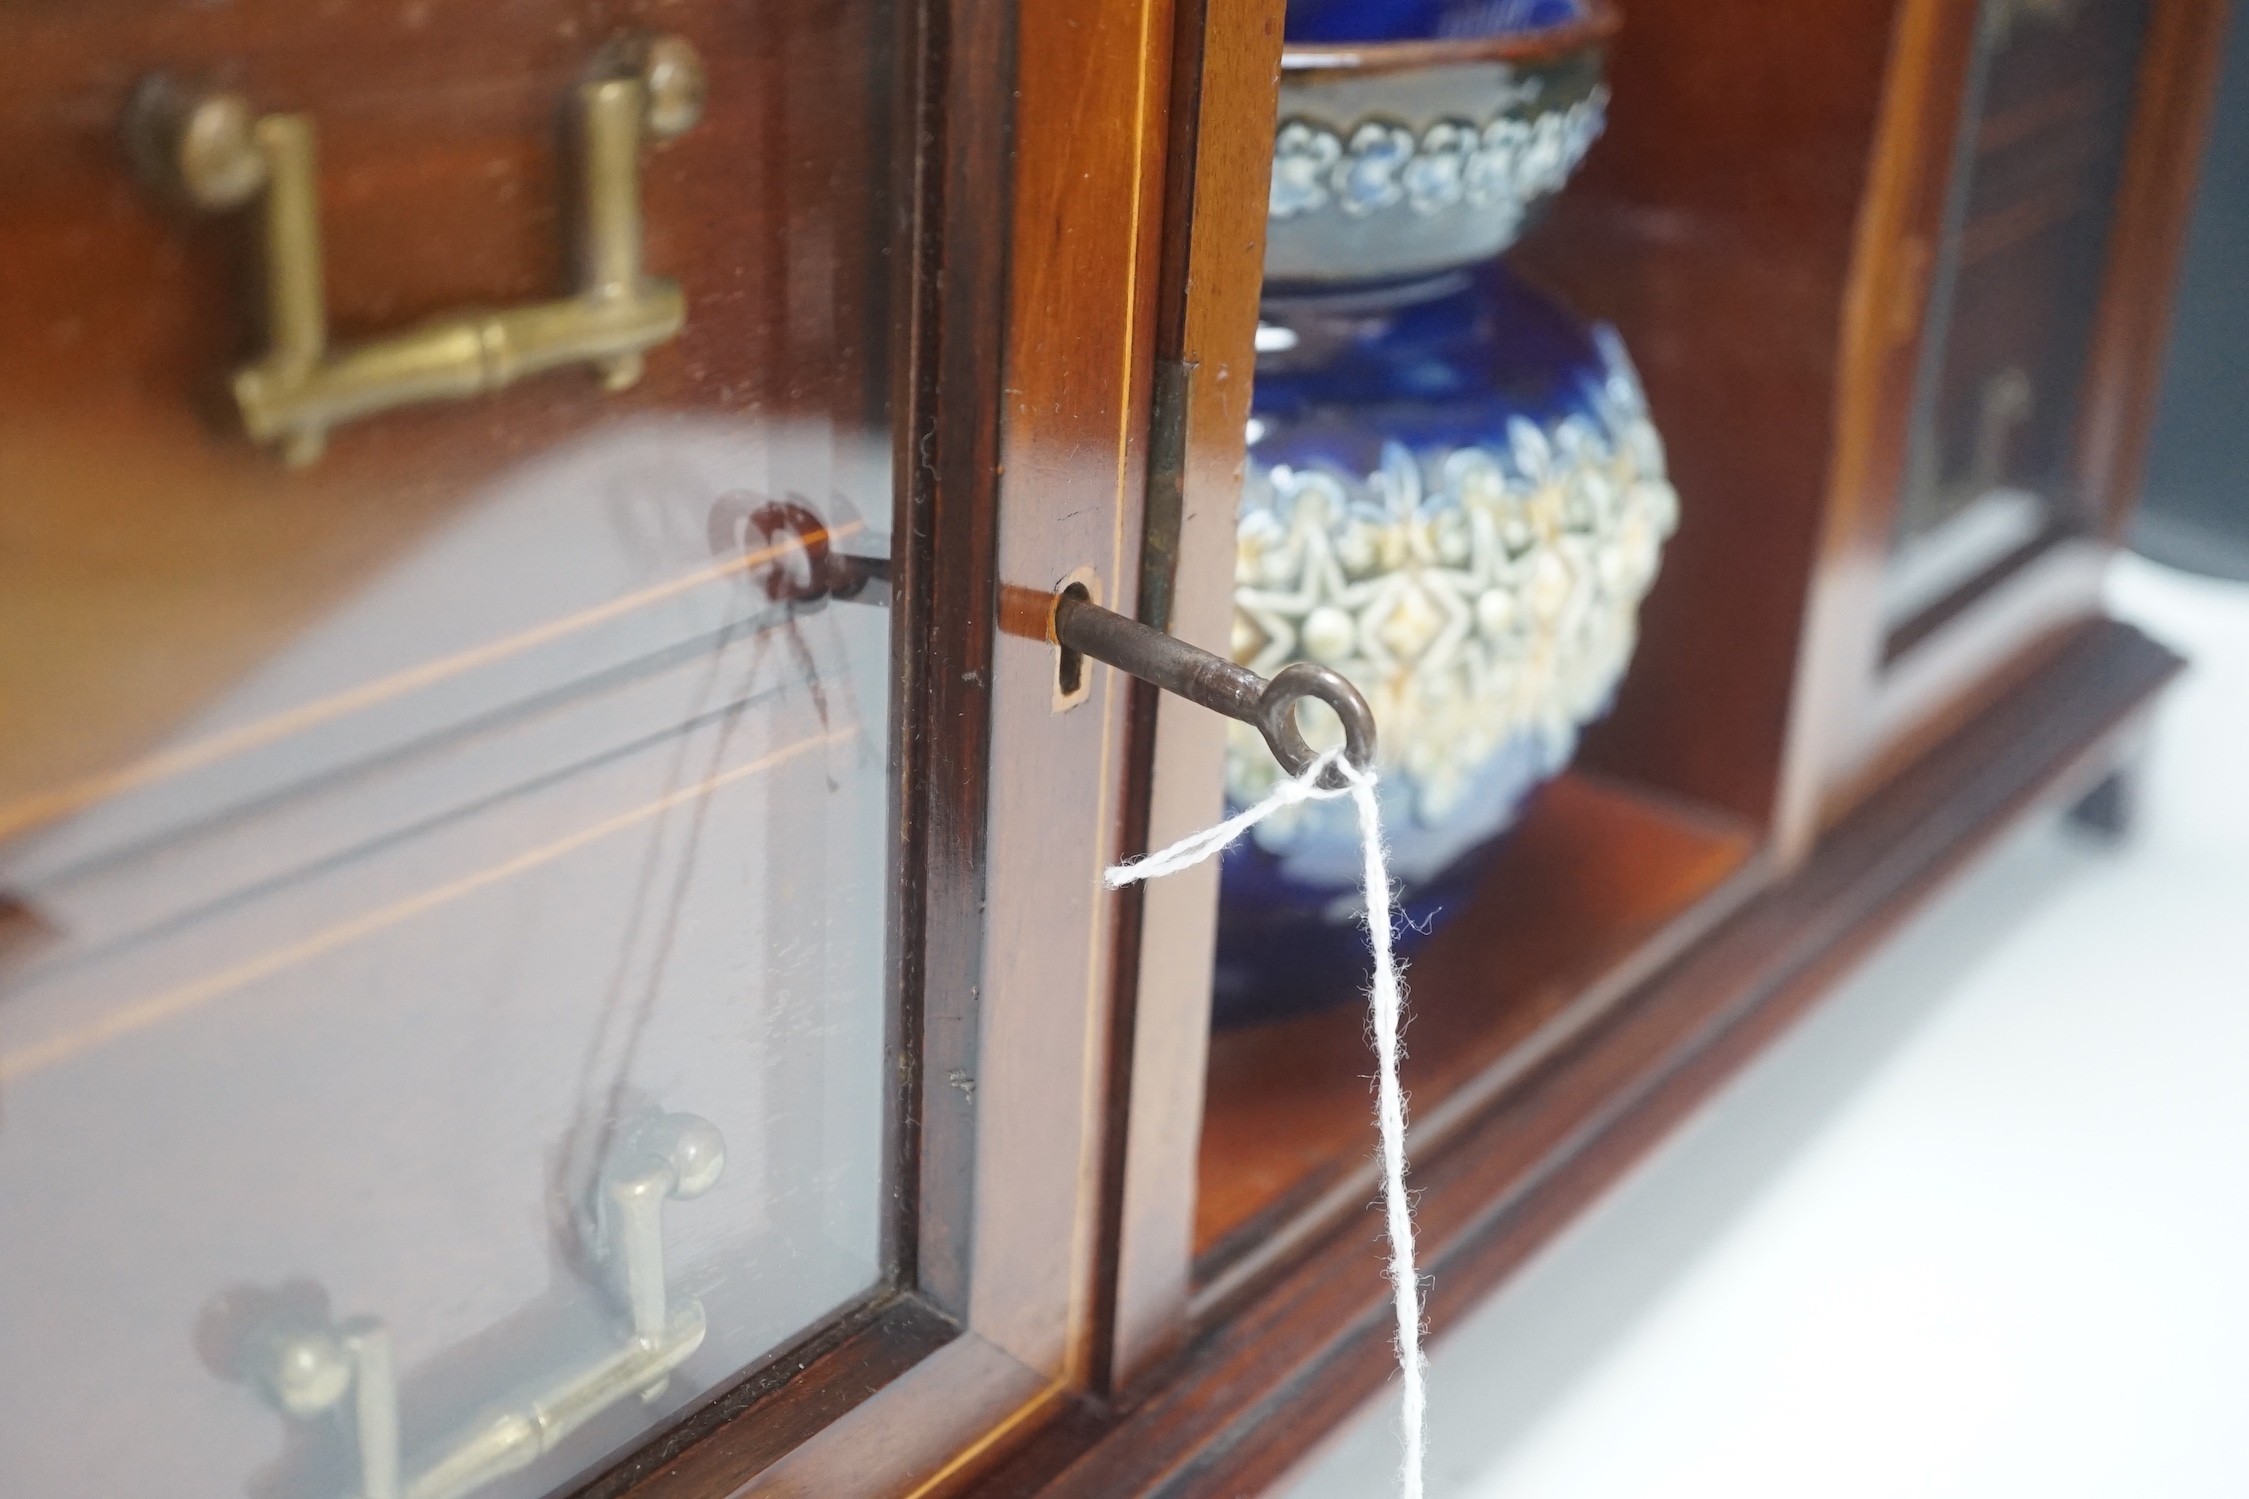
(1196, 847)
(1387, 998)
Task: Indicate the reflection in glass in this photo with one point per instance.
(1990, 459)
(444, 977)
(364, 988)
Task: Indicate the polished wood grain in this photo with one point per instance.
(1091, 130)
(1714, 224)
(933, 1427)
(1226, 65)
(952, 276)
(1596, 885)
(744, 1432)
(1230, 1415)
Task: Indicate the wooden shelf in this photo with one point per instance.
(1602, 881)
(1299, 1352)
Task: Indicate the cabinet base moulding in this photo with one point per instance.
(1298, 1351)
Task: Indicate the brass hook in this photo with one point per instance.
(214, 153)
(308, 1370)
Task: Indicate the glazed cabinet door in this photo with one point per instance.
(2033, 203)
(504, 943)
(2030, 182)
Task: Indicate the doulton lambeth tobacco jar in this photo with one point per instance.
(1455, 495)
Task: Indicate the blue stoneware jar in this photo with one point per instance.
(1406, 20)
(1455, 495)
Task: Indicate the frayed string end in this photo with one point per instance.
(1386, 1000)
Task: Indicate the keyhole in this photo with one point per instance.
(1072, 680)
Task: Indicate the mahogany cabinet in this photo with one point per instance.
(551, 933)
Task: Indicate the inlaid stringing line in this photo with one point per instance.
(171, 1003)
(39, 808)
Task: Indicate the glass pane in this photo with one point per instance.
(443, 971)
(2018, 277)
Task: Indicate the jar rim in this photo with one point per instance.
(1599, 23)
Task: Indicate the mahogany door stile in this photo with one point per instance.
(1092, 113)
(1226, 85)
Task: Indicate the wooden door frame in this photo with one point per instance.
(1226, 71)
(1858, 718)
(1030, 247)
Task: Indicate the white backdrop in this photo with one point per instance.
(1978, 1228)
